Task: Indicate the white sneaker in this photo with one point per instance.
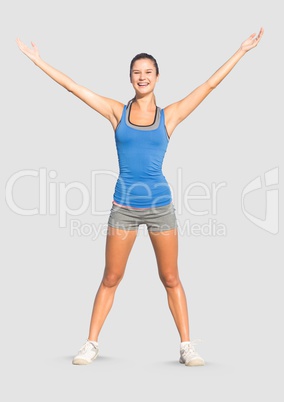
(88, 352)
(189, 356)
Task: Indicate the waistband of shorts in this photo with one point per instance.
(143, 209)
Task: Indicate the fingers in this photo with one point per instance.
(25, 49)
(257, 39)
(252, 40)
(20, 43)
(252, 36)
(261, 32)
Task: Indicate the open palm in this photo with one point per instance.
(252, 41)
(31, 53)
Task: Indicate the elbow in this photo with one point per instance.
(211, 84)
(70, 86)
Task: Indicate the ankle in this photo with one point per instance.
(93, 341)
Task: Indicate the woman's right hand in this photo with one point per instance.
(32, 54)
(107, 107)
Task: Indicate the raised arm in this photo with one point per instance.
(108, 108)
(178, 111)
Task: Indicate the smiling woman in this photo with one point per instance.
(144, 74)
(142, 194)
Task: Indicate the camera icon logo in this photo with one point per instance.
(271, 221)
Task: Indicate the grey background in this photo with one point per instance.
(49, 278)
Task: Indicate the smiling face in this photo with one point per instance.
(143, 76)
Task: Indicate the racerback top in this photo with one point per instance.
(141, 151)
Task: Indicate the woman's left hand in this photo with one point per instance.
(252, 41)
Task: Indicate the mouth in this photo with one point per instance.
(144, 84)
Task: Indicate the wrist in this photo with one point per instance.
(37, 61)
(241, 51)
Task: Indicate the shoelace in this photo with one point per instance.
(191, 345)
(86, 346)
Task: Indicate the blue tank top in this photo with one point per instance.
(141, 151)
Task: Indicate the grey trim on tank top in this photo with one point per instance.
(153, 126)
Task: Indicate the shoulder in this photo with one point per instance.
(117, 110)
(169, 110)
(169, 114)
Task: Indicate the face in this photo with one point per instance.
(143, 76)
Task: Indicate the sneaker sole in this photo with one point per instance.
(82, 362)
(195, 362)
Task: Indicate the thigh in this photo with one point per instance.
(119, 243)
(165, 245)
(161, 218)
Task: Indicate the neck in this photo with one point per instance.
(145, 102)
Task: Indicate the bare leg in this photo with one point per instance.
(118, 246)
(166, 250)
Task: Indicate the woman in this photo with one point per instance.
(142, 194)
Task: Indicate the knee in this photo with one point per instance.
(111, 280)
(170, 280)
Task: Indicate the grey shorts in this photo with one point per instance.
(157, 219)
